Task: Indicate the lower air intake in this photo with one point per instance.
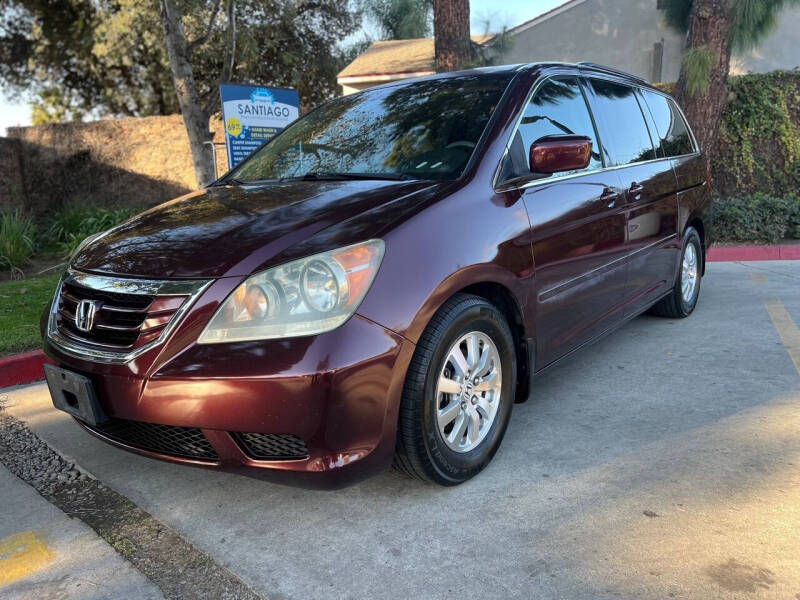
(185, 442)
(271, 446)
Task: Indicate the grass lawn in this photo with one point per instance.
(21, 306)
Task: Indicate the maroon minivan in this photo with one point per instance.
(383, 279)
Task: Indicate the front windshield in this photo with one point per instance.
(421, 130)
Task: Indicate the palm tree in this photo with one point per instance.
(452, 44)
(714, 29)
(399, 19)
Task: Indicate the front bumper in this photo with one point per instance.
(339, 392)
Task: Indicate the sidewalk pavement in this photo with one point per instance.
(45, 554)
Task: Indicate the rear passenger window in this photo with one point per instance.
(622, 126)
(673, 137)
(557, 108)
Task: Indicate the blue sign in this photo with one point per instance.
(252, 115)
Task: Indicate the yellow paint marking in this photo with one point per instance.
(758, 277)
(787, 329)
(22, 554)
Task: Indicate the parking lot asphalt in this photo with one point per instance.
(661, 462)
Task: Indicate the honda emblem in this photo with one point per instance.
(84, 315)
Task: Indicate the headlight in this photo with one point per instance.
(304, 297)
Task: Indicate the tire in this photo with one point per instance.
(425, 448)
(676, 306)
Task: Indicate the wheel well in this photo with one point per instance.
(701, 230)
(501, 297)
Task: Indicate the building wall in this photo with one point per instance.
(352, 88)
(780, 50)
(617, 33)
(622, 34)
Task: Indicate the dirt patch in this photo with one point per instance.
(735, 576)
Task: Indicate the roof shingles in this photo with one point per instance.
(397, 57)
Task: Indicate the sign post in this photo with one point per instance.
(253, 115)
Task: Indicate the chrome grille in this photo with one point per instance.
(120, 317)
(128, 315)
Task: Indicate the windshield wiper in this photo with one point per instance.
(233, 181)
(333, 176)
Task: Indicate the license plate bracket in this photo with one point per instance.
(74, 394)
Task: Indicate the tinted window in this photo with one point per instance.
(425, 129)
(673, 137)
(621, 122)
(557, 108)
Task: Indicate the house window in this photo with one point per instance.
(661, 4)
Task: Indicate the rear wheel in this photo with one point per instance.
(681, 302)
(458, 393)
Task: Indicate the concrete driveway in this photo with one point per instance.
(663, 462)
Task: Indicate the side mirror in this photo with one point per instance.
(557, 153)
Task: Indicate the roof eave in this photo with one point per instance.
(379, 77)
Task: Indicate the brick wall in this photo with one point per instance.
(135, 162)
(11, 183)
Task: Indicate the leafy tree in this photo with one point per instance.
(714, 29)
(399, 19)
(276, 42)
(110, 57)
(79, 57)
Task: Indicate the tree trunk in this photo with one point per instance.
(452, 44)
(709, 30)
(195, 118)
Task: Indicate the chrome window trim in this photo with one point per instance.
(150, 287)
(500, 188)
(537, 182)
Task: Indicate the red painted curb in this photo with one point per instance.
(745, 253)
(22, 368)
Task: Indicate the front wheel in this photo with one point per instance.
(458, 393)
(683, 298)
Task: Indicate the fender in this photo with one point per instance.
(473, 275)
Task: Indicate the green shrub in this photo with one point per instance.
(17, 236)
(757, 218)
(759, 148)
(75, 222)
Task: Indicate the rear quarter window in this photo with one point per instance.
(623, 130)
(672, 133)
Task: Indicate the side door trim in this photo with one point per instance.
(566, 285)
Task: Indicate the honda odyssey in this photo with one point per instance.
(382, 281)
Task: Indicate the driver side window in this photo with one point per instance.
(557, 108)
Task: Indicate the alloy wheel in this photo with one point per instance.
(689, 273)
(468, 391)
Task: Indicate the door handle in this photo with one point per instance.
(610, 197)
(635, 189)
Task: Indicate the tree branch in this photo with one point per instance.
(308, 7)
(229, 61)
(203, 38)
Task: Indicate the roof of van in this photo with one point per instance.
(586, 67)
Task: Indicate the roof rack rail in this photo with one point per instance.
(612, 70)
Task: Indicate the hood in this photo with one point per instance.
(231, 231)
